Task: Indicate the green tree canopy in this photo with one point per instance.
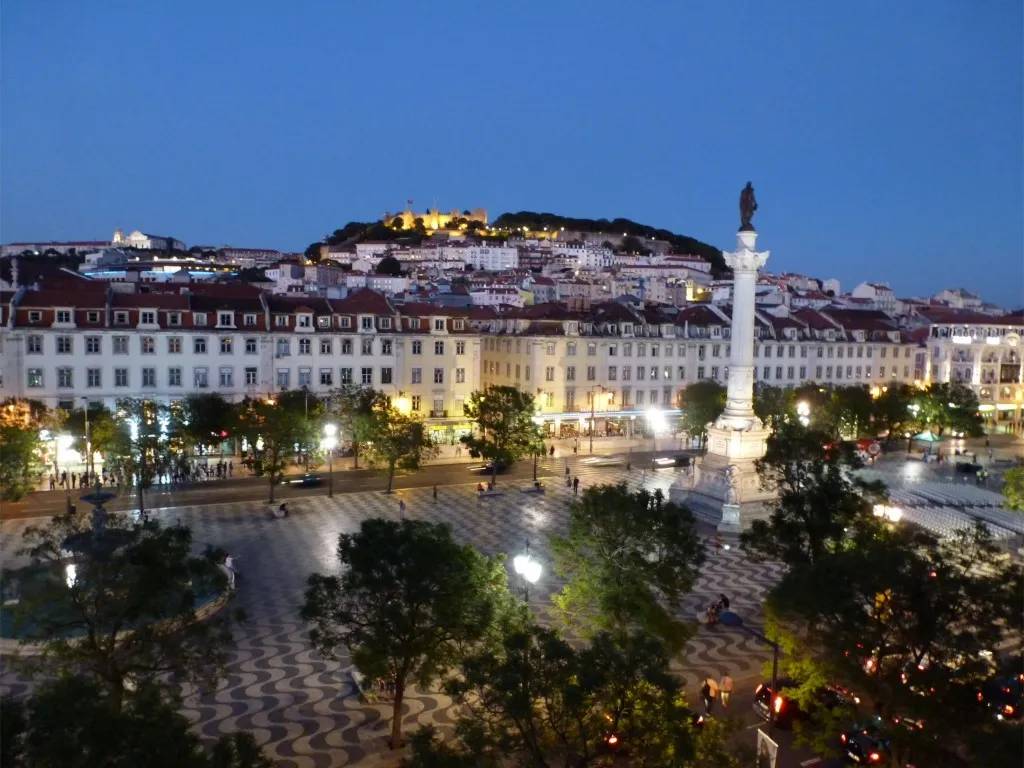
(206, 419)
(104, 428)
(389, 265)
(1013, 488)
(505, 428)
(72, 722)
(141, 446)
(703, 402)
(408, 600)
(629, 557)
(128, 613)
(21, 465)
(773, 405)
(951, 406)
(352, 407)
(396, 440)
(273, 427)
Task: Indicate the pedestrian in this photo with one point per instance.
(725, 690)
(401, 509)
(229, 567)
(53, 482)
(566, 467)
(64, 479)
(575, 486)
(705, 696)
(718, 542)
(435, 494)
(231, 468)
(74, 479)
(551, 452)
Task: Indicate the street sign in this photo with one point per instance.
(767, 751)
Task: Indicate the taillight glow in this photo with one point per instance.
(874, 757)
(613, 739)
(1008, 709)
(842, 737)
(778, 704)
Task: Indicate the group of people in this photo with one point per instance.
(712, 690)
(80, 480)
(714, 611)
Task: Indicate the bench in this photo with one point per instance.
(366, 692)
(532, 489)
(483, 494)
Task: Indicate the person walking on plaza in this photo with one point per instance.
(725, 690)
(435, 494)
(53, 482)
(401, 509)
(575, 486)
(705, 696)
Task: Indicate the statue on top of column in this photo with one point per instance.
(748, 204)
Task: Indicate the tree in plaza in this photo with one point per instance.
(629, 557)
(126, 614)
(272, 428)
(1013, 488)
(205, 419)
(72, 721)
(538, 701)
(21, 465)
(408, 599)
(702, 403)
(951, 406)
(848, 410)
(817, 497)
(140, 447)
(396, 440)
(352, 406)
(505, 428)
(773, 405)
(891, 412)
(104, 430)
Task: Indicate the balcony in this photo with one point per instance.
(439, 414)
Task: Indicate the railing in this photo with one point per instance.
(439, 414)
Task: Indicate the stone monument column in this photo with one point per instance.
(724, 488)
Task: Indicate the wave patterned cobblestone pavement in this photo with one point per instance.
(304, 709)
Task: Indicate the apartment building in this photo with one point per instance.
(100, 345)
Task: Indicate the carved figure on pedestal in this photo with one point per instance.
(748, 205)
(732, 491)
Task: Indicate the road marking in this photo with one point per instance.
(812, 761)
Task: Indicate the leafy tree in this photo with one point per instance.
(259, 275)
(540, 702)
(273, 427)
(206, 419)
(817, 497)
(848, 410)
(72, 721)
(30, 414)
(389, 265)
(952, 406)
(105, 430)
(504, 420)
(21, 465)
(703, 402)
(408, 599)
(397, 441)
(128, 615)
(773, 405)
(891, 412)
(352, 407)
(1013, 488)
(140, 447)
(629, 557)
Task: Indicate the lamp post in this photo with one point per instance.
(529, 569)
(803, 413)
(593, 403)
(730, 619)
(88, 440)
(329, 442)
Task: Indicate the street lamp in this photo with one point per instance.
(803, 412)
(730, 619)
(328, 444)
(529, 569)
(88, 441)
(593, 403)
(656, 420)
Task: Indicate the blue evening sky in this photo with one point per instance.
(884, 138)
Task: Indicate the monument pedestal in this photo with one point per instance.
(725, 489)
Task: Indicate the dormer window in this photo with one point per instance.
(385, 322)
(305, 321)
(63, 315)
(35, 316)
(323, 322)
(830, 335)
(414, 323)
(174, 318)
(120, 317)
(92, 316)
(250, 318)
(859, 335)
(366, 323)
(148, 317)
(459, 325)
(716, 331)
(225, 318)
(281, 321)
(438, 324)
(346, 322)
(199, 318)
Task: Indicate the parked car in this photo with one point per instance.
(493, 467)
(1004, 697)
(787, 709)
(870, 742)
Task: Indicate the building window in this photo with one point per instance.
(199, 318)
(120, 377)
(305, 321)
(65, 380)
(174, 377)
(417, 375)
(147, 345)
(201, 378)
(305, 377)
(716, 350)
(714, 372)
(174, 344)
(803, 372)
(281, 321)
(526, 373)
(778, 372)
(416, 402)
(417, 347)
(639, 397)
(438, 406)
(92, 317)
(366, 347)
(366, 323)
(551, 349)
(92, 345)
(700, 371)
(702, 352)
(367, 375)
(386, 375)
(439, 375)
(283, 377)
(34, 316)
(385, 323)
(251, 377)
(284, 348)
(227, 345)
(225, 318)
(570, 349)
(438, 347)
(305, 347)
(570, 373)
(65, 345)
(591, 373)
(627, 373)
(460, 346)
(789, 372)
(250, 346)
(460, 375)
(326, 377)
(386, 346)
(766, 372)
(682, 373)
(147, 318)
(613, 350)
(227, 377)
(641, 373)
(613, 373)
(549, 373)
(199, 345)
(120, 318)
(439, 324)
(249, 319)
(346, 375)
(149, 377)
(34, 345)
(35, 377)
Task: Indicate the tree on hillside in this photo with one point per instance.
(351, 406)
(505, 428)
(630, 557)
(71, 721)
(126, 615)
(702, 403)
(389, 265)
(396, 441)
(408, 600)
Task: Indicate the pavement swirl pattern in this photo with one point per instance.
(303, 708)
